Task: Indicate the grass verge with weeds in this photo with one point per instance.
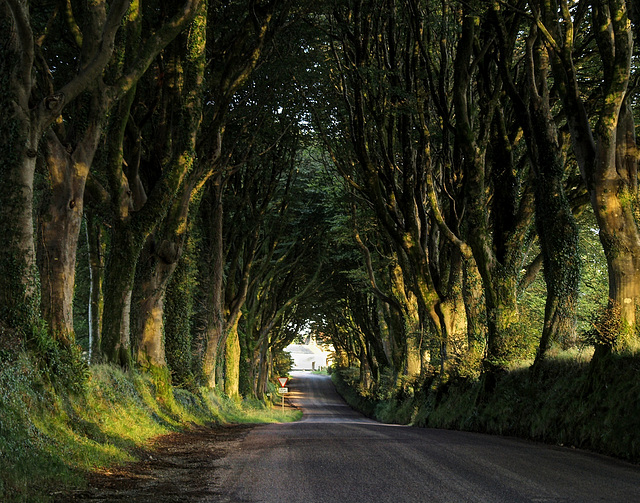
(50, 440)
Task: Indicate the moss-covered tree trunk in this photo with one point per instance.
(165, 246)
(497, 242)
(556, 226)
(261, 367)
(137, 210)
(27, 118)
(179, 309)
(452, 314)
(615, 201)
(614, 182)
(156, 265)
(606, 151)
(232, 360)
(24, 123)
(476, 316)
(19, 288)
(557, 232)
(125, 244)
(124, 251)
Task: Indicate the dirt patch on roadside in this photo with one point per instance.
(174, 468)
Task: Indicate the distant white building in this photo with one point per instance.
(308, 356)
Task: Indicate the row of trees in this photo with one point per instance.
(394, 173)
(471, 136)
(147, 140)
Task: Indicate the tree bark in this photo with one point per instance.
(118, 287)
(556, 226)
(487, 162)
(232, 360)
(96, 278)
(60, 224)
(615, 198)
(214, 320)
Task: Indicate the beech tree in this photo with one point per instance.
(456, 140)
(603, 140)
(33, 103)
(555, 222)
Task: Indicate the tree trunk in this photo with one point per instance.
(615, 199)
(497, 243)
(118, 285)
(19, 137)
(262, 367)
(475, 314)
(178, 320)
(152, 276)
(452, 315)
(558, 235)
(232, 361)
(214, 320)
(19, 288)
(607, 156)
(60, 224)
(556, 225)
(96, 278)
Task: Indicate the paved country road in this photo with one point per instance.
(336, 455)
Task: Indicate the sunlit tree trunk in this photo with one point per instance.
(60, 222)
(166, 244)
(476, 315)
(497, 243)
(156, 265)
(558, 235)
(615, 200)
(135, 213)
(232, 360)
(556, 225)
(606, 152)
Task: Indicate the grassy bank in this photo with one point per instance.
(568, 403)
(50, 440)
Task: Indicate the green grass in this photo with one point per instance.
(50, 440)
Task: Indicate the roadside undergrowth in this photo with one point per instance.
(50, 439)
(567, 403)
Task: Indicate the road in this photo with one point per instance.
(336, 455)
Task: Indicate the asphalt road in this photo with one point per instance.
(336, 455)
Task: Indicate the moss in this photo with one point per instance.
(178, 318)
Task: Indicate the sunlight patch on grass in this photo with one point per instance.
(48, 440)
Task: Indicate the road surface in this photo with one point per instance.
(336, 455)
